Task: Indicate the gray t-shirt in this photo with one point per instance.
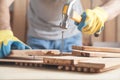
(44, 17)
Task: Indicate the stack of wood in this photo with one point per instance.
(82, 59)
(106, 58)
(104, 52)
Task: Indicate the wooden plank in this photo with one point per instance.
(95, 54)
(97, 49)
(101, 65)
(64, 60)
(26, 57)
(83, 64)
(54, 61)
(35, 52)
(76, 17)
(32, 54)
(19, 19)
(21, 61)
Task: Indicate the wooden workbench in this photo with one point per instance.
(14, 72)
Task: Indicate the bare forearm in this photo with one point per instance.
(9, 2)
(112, 7)
(4, 14)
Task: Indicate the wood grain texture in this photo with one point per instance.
(97, 49)
(21, 61)
(64, 60)
(95, 54)
(32, 54)
(35, 52)
(103, 64)
(89, 65)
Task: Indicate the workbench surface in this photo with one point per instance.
(15, 72)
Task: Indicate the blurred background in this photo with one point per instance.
(110, 36)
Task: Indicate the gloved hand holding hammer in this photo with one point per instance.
(93, 19)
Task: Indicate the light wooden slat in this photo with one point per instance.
(97, 49)
(32, 54)
(103, 64)
(64, 60)
(95, 54)
(19, 19)
(35, 52)
(21, 61)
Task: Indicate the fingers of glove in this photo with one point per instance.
(23, 46)
(19, 45)
(99, 26)
(88, 19)
(94, 22)
(91, 22)
(82, 23)
(27, 47)
(93, 26)
(1, 54)
(89, 26)
(5, 49)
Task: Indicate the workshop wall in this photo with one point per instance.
(19, 23)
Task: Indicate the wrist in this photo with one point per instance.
(6, 32)
(102, 13)
(5, 28)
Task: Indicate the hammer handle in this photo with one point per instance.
(77, 18)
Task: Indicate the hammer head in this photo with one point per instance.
(66, 12)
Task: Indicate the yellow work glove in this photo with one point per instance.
(92, 20)
(8, 42)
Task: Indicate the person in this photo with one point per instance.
(44, 17)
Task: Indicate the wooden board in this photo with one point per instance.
(101, 65)
(27, 63)
(89, 65)
(97, 49)
(67, 61)
(95, 54)
(34, 52)
(64, 60)
(21, 61)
